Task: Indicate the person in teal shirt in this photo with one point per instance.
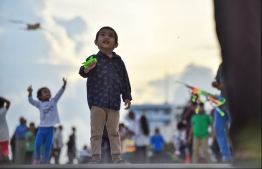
(199, 130)
(30, 143)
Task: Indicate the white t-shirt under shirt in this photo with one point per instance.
(48, 110)
(4, 131)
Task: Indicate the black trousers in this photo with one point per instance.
(141, 154)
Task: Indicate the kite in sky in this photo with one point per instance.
(30, 27)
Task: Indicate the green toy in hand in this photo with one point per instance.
(90, 60)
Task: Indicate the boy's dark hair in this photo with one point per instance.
(22, 120)
(193, 103)
(2, 103)
(39, 92)
(107, 27)
(181, 125)
(157, 130)
(201, 104)
(32, 124)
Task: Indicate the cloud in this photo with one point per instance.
(166, 88)
(74, 27)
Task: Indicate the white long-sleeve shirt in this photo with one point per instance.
(48, 110)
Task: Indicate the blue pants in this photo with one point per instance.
(44, 136)
(220, 128)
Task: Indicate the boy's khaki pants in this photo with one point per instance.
(98, 118)
(203, 143)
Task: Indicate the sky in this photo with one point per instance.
(161, 42)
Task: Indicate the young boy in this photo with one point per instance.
(4, 132)
(107, 80)
(199, 130)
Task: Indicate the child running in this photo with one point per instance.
(48, 118)
(107, 80)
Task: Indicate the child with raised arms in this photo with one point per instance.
(49, 117)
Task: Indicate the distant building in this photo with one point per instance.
(162, 116)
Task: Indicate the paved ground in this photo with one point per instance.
(130, 166)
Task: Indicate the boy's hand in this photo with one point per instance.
(128, 103)
(65, 82)
(90, 66)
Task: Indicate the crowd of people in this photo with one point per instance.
(23, 145)
(137, 144)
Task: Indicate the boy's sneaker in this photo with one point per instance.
(120, 161)
(93, 162)
(37, 161)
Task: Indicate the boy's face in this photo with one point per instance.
(106, 40)
(201, 109)
(45, 95)
(32, 127)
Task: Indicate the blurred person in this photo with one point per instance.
(142, 132)
(221, 123)
(49, 117)
(125, 143)
(85, 155)
(122, 134)
(238, 28)
(157, 142)
(4, 131)
(187, 114)
(20, 142)
(57, 144)
(130, 142)
(71, 147)
(199, 131)
(30, 143)
(180, 141)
